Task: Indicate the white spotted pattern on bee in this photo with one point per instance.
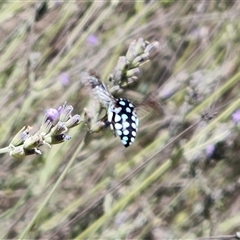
(123, 120)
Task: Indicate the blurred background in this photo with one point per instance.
(187, 182)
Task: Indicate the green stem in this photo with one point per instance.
(42, 206)
(86, 234)
(5, 149)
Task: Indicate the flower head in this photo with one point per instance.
(55, 125)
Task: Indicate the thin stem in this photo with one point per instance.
(6, 149)
(124, 179)
(61, 177)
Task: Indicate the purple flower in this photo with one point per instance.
(236, 116)
(64, 78)
(52, 115)
(92, 40)
(210, 149)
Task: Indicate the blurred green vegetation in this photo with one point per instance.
(88, 188)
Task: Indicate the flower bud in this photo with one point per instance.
(131, 53)
(140, 59)
(152, 48)
(18, 152)
(65, 113)
(57, 139)
(140, 46)
(133, 72)
(21, 136)
(73, 121)
(51, 115)
(58, 129)
(46, 127)
(33, 141)
(117, 76)
(122, 63)
(132, 79)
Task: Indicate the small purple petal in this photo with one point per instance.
(210, 149)
(64, 78)
(92, 40)
(236, 116)
(52, 115)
